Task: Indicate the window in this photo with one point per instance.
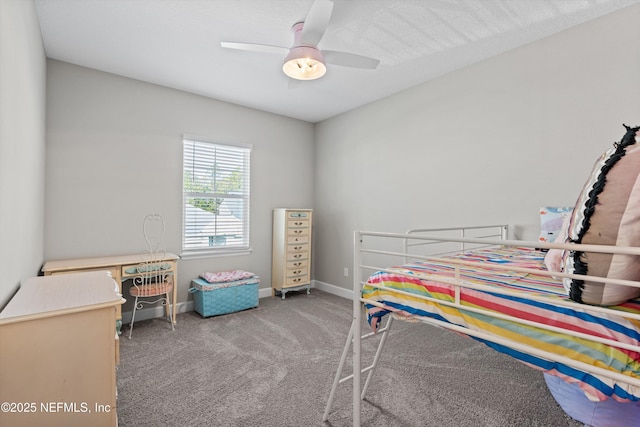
(215, 197)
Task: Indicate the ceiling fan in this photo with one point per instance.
(304, 61)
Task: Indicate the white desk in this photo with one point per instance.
(117, 266)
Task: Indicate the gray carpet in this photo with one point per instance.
(274, 366)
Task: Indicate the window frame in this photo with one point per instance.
(222, 250)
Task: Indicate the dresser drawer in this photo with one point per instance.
(297, 256)
(298, 231)
(299, 263)
(135, 270)
(298, 271)
(298, 223)
(298, 215)
(297, 239)
(296, 280)
(298, 247)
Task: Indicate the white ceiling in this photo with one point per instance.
(176, 43)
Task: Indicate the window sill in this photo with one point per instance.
(214, 253)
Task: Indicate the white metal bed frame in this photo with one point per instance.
(495, 235)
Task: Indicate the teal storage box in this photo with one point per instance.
(213, 299)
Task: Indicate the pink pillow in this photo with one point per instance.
(226, 276)
(607, 213)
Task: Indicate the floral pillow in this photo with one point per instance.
(551, 220)
(553, 258)
(226, 276)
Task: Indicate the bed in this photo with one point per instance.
(567, 306)
(498, 292)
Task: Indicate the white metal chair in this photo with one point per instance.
(152, 279)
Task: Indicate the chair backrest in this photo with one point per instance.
(152, 276)
(153, 230)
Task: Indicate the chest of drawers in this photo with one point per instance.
(58, 343)
(291, 251)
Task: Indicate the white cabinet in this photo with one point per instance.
(291, 252)
(57, 363)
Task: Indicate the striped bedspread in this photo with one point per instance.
(414, 278)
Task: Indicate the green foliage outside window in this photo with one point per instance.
(212, 183)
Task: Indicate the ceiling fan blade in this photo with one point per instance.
(316, 22)
(350, 60)
(253, 47)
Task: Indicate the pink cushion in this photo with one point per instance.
(607, 213)
(226, 276)
(151, 290)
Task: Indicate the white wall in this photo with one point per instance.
(22, 144)
(488, 144)
(114, 154)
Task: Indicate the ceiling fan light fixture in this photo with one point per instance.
(304, 63)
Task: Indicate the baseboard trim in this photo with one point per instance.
(333, 289)
(183, 307)
(155, 312)
(265, 293)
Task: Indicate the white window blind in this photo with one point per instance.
(216, 197)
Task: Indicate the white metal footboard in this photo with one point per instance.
(412, 246)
